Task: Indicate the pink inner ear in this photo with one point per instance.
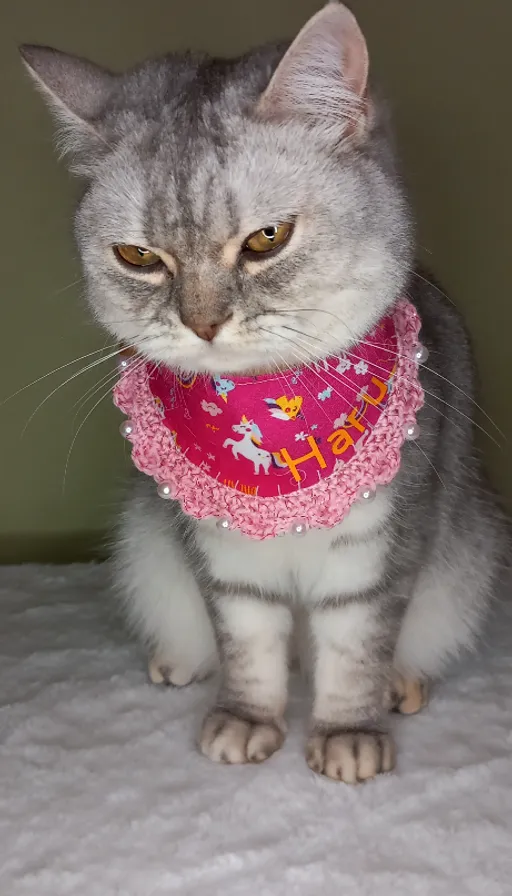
(356, 62)
(329, 55)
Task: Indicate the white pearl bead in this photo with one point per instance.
(421, 354)
(411, 432)
(224, 524)
(299, 528)
(164, 491)
(124, 363)
(367, 494)
(126, 428)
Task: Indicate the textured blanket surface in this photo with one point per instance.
(102, 791)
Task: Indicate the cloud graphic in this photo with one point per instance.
(211, 408)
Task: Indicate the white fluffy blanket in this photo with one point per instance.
(102, 791)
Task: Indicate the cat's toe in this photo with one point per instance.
(351, 756)
(177, 675)
(409, 695)
(227, 738)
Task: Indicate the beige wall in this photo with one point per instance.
(447, 73)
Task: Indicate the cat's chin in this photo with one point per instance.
(223, 361)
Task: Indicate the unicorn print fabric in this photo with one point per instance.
(263, 453)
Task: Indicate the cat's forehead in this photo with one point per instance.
(194, 162)
(207, 179)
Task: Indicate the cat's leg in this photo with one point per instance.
(162, 599)
(353, 647)
(447, 607)
(247, 722)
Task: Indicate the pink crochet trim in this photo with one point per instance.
(322, 505)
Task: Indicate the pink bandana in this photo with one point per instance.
(285, 450)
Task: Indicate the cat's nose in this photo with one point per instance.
(207, 330)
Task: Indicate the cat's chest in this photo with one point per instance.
(347, 558)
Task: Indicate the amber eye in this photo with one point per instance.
(268, 238)
(137, 256)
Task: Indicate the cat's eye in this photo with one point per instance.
(268, 238)
(137, 256)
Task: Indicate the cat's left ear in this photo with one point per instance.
(323, 77)
(76, 91)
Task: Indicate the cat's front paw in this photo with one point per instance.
(351, 756)
(177, 674)
(227, 738)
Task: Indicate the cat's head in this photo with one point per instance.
(238, 215)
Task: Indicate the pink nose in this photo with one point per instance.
(208, 331)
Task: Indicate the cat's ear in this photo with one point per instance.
(323, 77)
(76, 91)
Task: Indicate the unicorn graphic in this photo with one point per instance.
(248, 446)
(222, 387)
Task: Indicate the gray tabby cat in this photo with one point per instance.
(184, 158)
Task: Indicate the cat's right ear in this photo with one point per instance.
(76, 91)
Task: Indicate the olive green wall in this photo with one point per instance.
(445, 68)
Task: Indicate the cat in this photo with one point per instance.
(240, 216)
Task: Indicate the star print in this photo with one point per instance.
(197, 447)
(206, 467)
(315, 426)
(361, 368)
(300, 437)
(211, 457)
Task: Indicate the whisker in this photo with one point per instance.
(311, 393)
(57, 369)
(337, 376)
(111, 376)
(445, 379)
(427, 458)
(301, 333)
(467, 397)
(451, 406)
(434, 286)
(84, 421)
(64, 289)
(65, 383)
(138, 363)
(306, 358)
(61, 386)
